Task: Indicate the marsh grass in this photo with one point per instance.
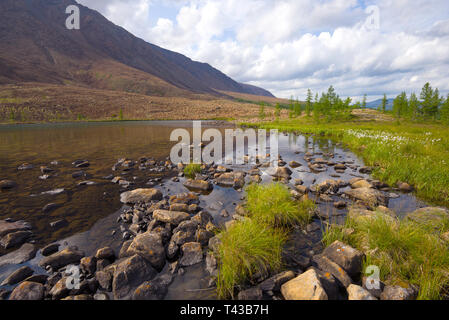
(247, 248)
(254, 245)
(407, 252)
(191, 170)
(416, 153)
(272, 204)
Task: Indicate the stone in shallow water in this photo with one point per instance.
(62, 258)
(140, 195)
(25, 253)
(172, 217)
(7, 184)
(15, 239)
(17, 276)
(191, 254)
(149, 246)
(198, 185)
(9, 227)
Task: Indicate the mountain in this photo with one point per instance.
(378, 103)
(37, 47)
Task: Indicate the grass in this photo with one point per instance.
(254, 245)
(191, 170)
(410, 152)
(272, 204)
(406, 251)
(247, 248)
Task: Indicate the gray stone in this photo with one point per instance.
(140, 195)
(356, 292)
(14, 239)
(105, 253)
(346, 257)
(24, 253)
(253, 294)
(172, 217)
(149, 246)
(306, 286)
(198, 185)
(275, 282)
(155, 289)
(327, 265)
(62, 258)
(50, 249)
(17, 276)
(191, 254)
(398, 293)
(28, 291)
(9, 227)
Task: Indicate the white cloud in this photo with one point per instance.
(287, 46)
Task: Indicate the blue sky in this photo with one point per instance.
(287, 46)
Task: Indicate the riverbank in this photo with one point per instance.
(416, 154)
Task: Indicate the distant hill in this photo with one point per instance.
(378, 103)
(37, 47)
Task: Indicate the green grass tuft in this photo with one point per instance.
(247, 248)
(272, 204)
(406, 252)
(191, 170)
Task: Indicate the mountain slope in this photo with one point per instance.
(37, 47)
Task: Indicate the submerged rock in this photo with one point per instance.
(369, 196)
(198, 185)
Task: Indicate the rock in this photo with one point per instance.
(149, 246)
(81, 163)
(179, 207)
(39, 278)
(430, 216)
(356, 292)
(405, 187)
(328, 186)
(327, 265)
(25, 166)
(101, 296)
(78, 174)
(211, 264)
(302, 189)
(172, 217)
(191, 254)
(60, 289)
(79, 297)
(325, 198)
(361, 184)
(346, 257)
(253, 294)
(186, 198)
(155, 289)
(372, 288)
(306, 286)
(198, 185)
(50, 207)
(14, 239)
(294, 164)
(50, 249)
(17, 276)
(28, 291)
(9, 227)
(25, 253)
(104, 280)
(202, 236)
(279, 172)
(231, 179)
(365, 170)
(88, 265)
(105, 253)
(340, 204)
(214, 243)
(7, 184)
(62, 258)
(398, 293)
(340, 166)
(59, 224)
(4, 294)
(369, 196)
(140, 195)
(274, 283)
(129, 274)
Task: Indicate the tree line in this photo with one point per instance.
(329, 106)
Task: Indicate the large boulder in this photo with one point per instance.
(10, 227)
(62, 258)
(327, 265)
(129, 274)
(17, 276)
(306, 286)
(28, 291)
(140, 195)
(356, 292)
(149, 246)
(346, 257)
(279, 172)
(24, 253)
(368, 196)
(200, 185)
(172, 217)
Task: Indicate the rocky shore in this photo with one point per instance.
(165, 233)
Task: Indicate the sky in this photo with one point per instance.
(288, 46)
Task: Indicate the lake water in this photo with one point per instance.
(91, 211)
